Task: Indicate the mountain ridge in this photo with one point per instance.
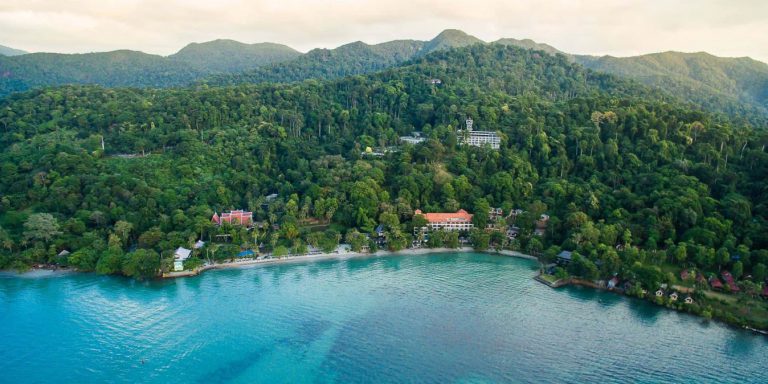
(8, 51)
(731, 85)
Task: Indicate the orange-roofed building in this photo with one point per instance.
(238, 217)
(457, 221)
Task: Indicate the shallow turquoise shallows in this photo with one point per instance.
(440, 318)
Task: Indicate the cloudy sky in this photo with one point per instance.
(616, 27)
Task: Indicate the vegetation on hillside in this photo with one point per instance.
(738, 86)
(633, 182)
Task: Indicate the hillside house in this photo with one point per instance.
(238, 217)
(179, 256)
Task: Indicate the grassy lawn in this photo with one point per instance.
(549, 278)
(754, 310)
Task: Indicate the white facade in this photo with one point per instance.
(179, 256)
(457, 221)
(458, 225)
(412, 139)
(479, 138)
(482, 138)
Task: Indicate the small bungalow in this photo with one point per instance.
(380, 236)
(64, 253)
(613, 282)
(541, 225)
(564, 257)
(684, 275)
(660, 293)
(730, 281)
(673, 296)
(689, 300)
(199, 244)
(179, 256)
(715, 283)
(495, 214)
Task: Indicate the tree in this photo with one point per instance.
(41, 227)
(123, 229)
(84, 259)
(758, 272)
(480, 239)
(722, 257)
(680, 253)
(110, 262)
(5, 240)
(280, 252)
(480, 216)
(738, 270)
(141, 264)
(452, 240)
(356, 240)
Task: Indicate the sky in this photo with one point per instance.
(732, 28)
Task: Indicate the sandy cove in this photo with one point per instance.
(338, 256)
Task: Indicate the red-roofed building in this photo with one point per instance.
(731, 283)
(238, 217)
(715, 283)
(457, 221)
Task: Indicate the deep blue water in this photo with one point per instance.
(439, 318)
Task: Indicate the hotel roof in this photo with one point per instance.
(440, 217)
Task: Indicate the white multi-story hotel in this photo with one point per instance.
(479, 138)
(457, 221)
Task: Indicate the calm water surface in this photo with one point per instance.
(445, 318)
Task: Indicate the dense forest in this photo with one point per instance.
(734, 86)
(737, 86)
(125, 68)
(633, 181)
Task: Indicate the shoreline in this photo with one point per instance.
(618, 291)
(340, 256)
(46, 272)
(337, 256)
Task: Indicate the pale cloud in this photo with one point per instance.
(616, 27)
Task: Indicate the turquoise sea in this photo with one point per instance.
(441, 318)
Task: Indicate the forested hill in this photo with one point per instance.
(351, 59)
(111, 69)
(717, 83)
(630, 181)
(126, 68)
(226, 56)
(8, 51)
(735, 86)
(194, 62)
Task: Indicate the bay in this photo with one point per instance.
(442, 318)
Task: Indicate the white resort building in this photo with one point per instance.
(414, 139)
(479, 138)
(457, 221)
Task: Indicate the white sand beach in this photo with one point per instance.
(339, 255)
